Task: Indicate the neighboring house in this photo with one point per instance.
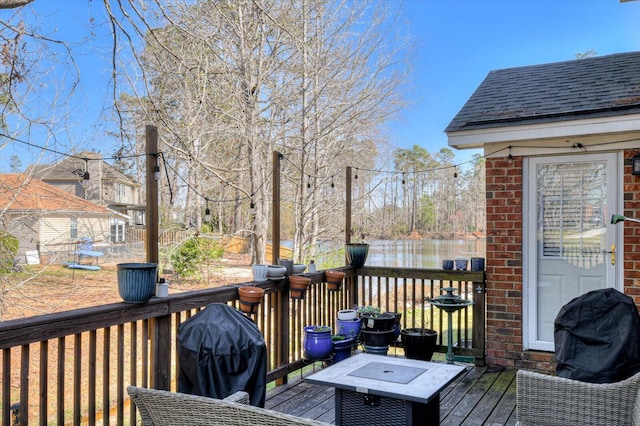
(559, 140)
(49, 219)
(106, 186)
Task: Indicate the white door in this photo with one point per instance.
(570, 238)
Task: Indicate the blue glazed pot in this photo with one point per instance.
(477, 264)
(349, 328)
(356, 254)
(136, 281)
(447, 264)
(317, 344)
(342, 349)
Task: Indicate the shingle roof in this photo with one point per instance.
(19, 192)
(584, 88)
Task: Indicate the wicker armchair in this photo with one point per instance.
(158, 408)
(549, 400)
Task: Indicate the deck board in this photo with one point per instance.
(481, 396)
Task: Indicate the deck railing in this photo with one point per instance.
(73, 367)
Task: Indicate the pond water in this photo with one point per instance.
(422, 253)
(406, 253)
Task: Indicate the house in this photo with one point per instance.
(48, 219)
(106, 186)
(559, 140)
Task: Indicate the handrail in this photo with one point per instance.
(50, 361)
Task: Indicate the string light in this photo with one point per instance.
(455, 171)
(85, 175)
(252, 208)
(309, 182)
(332, 185)
(403, 178)
(510, 157)
(207, 212)
(156, 172)
(356, 177)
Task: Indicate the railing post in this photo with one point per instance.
(479, 320)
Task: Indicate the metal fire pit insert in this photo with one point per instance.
(388, 372)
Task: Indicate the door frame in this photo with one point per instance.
(529, 241)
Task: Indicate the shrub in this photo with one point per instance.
(193, 252)
(8, 251)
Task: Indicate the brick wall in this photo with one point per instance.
(631, 230)
(504, 261)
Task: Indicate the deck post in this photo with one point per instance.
(479, 313)
(160, 328)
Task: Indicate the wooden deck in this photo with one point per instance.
(482, 396)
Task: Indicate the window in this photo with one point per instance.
(121, 192)
(73, 228)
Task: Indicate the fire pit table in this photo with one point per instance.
(375, 389)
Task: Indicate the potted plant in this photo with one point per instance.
(298, 286)
(334, 280)
(250, 298)
(373, 321)
(317, 343)
(418, 343)
(342, 346)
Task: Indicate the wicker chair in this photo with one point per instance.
(158, 408)
(550, 400)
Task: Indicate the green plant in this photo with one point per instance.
(193, 252)
(368, 310)
(8, 251)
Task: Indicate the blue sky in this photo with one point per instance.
(458, 43)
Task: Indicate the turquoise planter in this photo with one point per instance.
(356, 254)
(136, 281)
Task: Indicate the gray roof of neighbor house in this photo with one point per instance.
(584, 88)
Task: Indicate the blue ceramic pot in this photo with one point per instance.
(349, 328)
(136, 281)
(477, 264)
(342, 349)
(317, 343)
(447, 264)
(356, 254)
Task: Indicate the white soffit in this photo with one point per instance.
(478, 138)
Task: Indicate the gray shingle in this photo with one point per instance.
(584, 88)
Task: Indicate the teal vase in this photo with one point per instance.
(356, 254)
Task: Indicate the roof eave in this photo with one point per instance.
(480, 137)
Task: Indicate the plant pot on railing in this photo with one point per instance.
(356, 254)
(298, 286)
(250, 298)
(136, 281)
(334, 280)
(419, 343)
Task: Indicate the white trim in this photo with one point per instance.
(478, 138)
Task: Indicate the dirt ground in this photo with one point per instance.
(39, 290)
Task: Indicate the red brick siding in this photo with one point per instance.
(631, 230)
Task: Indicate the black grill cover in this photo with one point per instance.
(597, 337)
(221, 351)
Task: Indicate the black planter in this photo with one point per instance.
(356, 254)
(378, 322)
(377, 338)
(419, 343)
